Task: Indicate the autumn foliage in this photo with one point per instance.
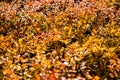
(59, 40)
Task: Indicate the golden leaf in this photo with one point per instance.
(20, 40)
(1, 37)
(96, 78)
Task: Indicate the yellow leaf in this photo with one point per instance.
(79, 23)
(14, 51)
(20, 40)
(89, 77)
(1, 38)
(69, 32)
(112, 23)
(112, 49)
(16, 43)
(94, 31)
(47, 63)
(113, 31)
(117, 34)
(96, 78)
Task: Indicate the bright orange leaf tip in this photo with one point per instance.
(30, 3)
(37, 76)
(15, 79)
(7, 72)
(52, 76)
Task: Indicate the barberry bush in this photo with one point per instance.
(59, 40)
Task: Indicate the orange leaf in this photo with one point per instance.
(52, 76)
(11, 13)
(37, 76)
(31, 3)
(7, 71)
(15, 79)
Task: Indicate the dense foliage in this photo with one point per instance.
(59, 40)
